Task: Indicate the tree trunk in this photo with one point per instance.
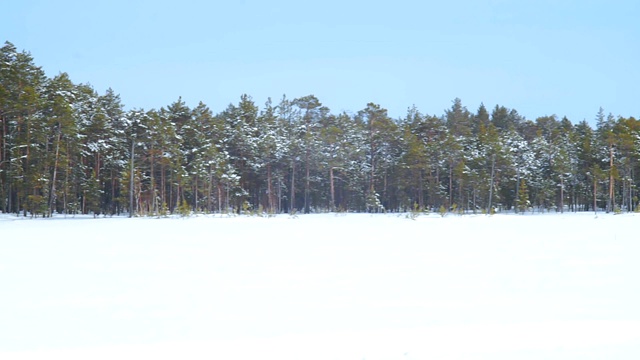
(114, 207)
(170, 205)
(96, 166)
(178, 188)
(474, 199)
(517, 207)
(293, 188)
(154, 205)
(27, 173)
(493, 166)
(384, 199)
(269, 190)
(420, 190)
(631, 191)
(450, 201)
(219, 198)
(307, 183)
(52, 197)
(226, 199)
(209, 188)
(595, 195)
(195, 194)
(279, 193)
(4, 162)
(66, 181)
(561, 195)
(610, 202)
(332, 189)
(574, 200)
(460, 193)
(373, 163)
(131, 178)
(163, 183)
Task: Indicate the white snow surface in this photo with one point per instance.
(321, 286)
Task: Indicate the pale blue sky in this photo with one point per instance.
(539, 57)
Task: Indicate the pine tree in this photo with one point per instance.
(311, 109)
(381, 138)
(523, 196)
(62, 131)
(66, 149)
(21, 85)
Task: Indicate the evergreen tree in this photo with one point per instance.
(523, 196)
(380, 141)
(66, 149)
(22, 85)
(272, 149)
(115, 151)
(61, 131)
(311, 110)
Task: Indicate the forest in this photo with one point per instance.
(66, 149)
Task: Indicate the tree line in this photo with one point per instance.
(65, 149)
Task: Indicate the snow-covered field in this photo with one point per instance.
(321, 287)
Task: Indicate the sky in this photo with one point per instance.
(539, 57)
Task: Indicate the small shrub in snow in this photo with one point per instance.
(442, 211)
(184, 210)
(373, 203)
(164, 210)
(416, 211)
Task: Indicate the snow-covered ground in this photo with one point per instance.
(321, 287)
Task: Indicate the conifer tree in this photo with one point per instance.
(311, 110)
(523, 196)
(66, 149)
